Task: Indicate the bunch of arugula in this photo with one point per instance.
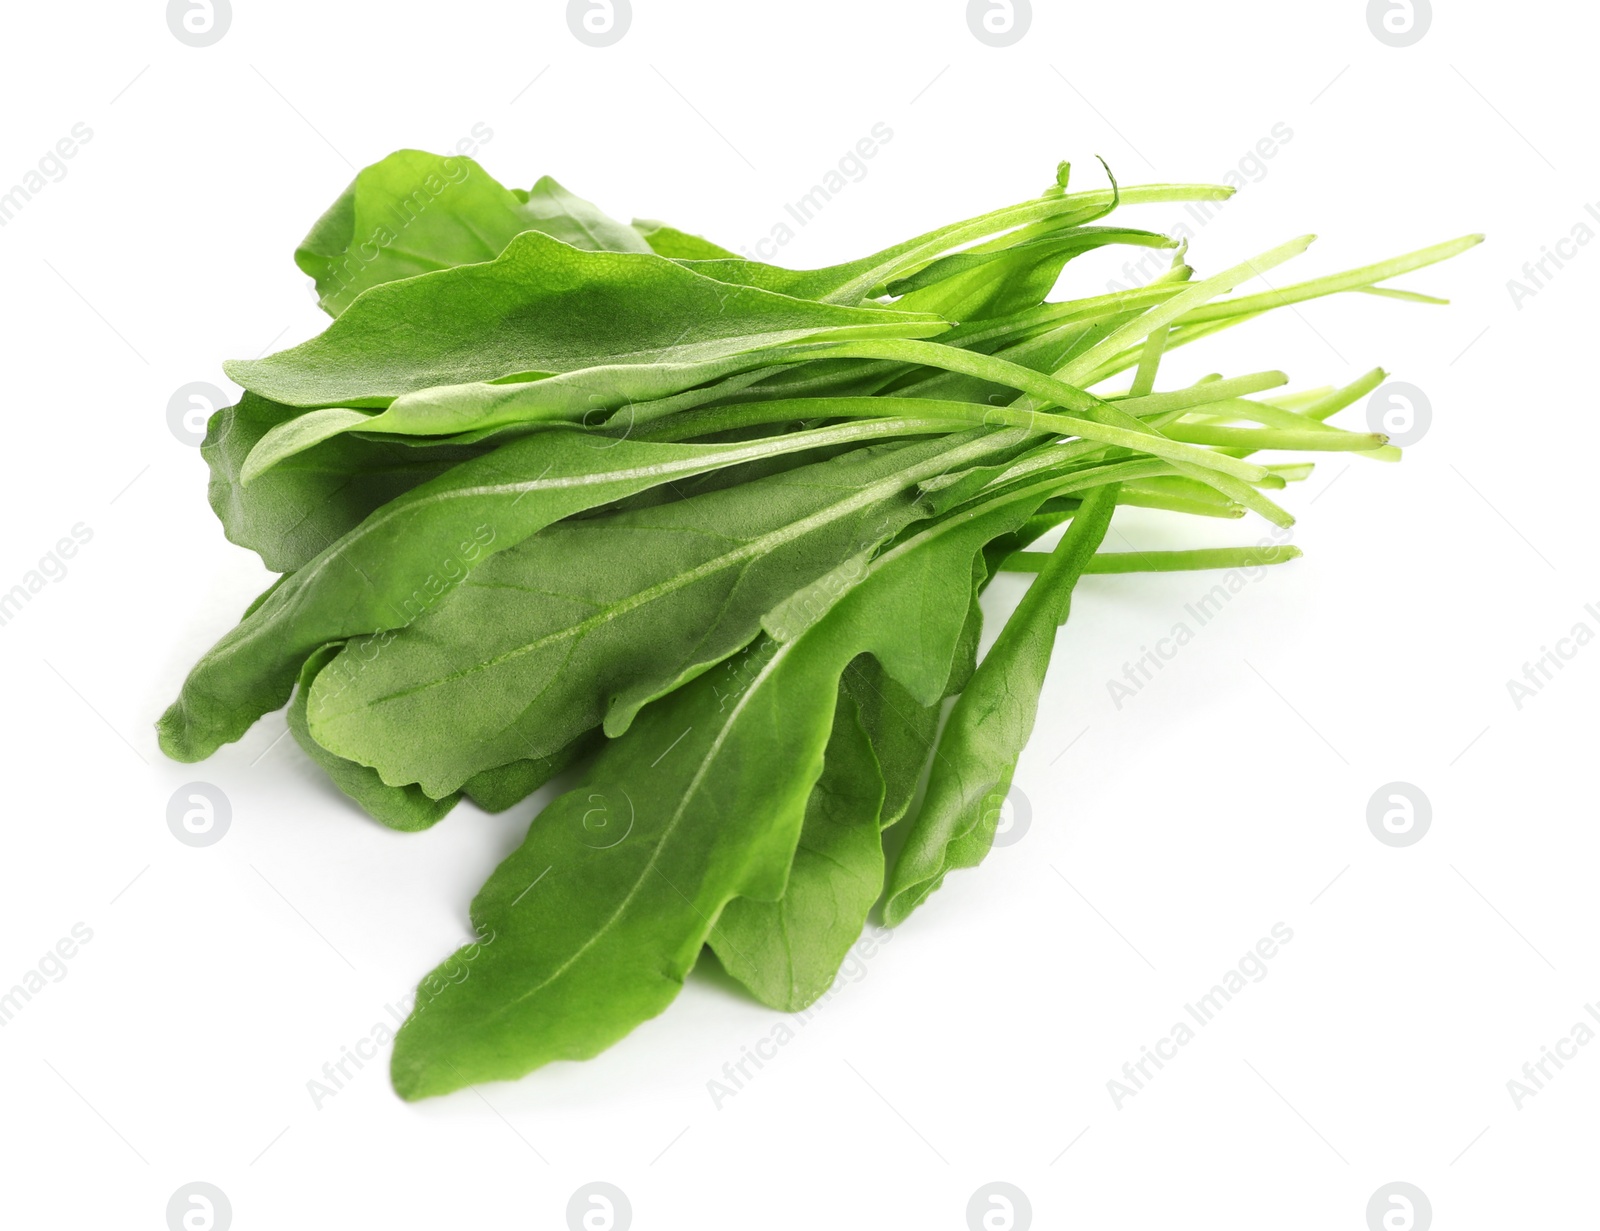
(556, 491)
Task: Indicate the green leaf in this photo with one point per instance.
(298, 508)
(589, 620)
(991, 722)
(789, 952)
(542, 307)
(680, 245)
(1159, 561)
(597, 917)
(495, 790)
(404, 557)
(976, 285)
(572, 220)
(579, 332)
(900, 728)
(414, 212)
(601, 912)
(455, 415)
(855, 281)
(405, 808)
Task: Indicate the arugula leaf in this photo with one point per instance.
(900, 728)
(408, 554)
(495, 790)
(476, 412)
(680, 245)
(597, 917)
(859, 280)
(572, 220)
(788, 952)
(414, 212)
(542, 307)
(405, 808)
(454, 415)
(592, 619)
(713, 781)
(620, 327)
(498, 550)
(904, 730)
(977, 285)
(991, 722)
(298, 508)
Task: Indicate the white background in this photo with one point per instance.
(1229, 795)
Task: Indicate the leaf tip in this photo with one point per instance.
(175, 736)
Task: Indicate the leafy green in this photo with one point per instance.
(991, 722)
(414, 213)
(789, 951)
(903, 729)
(556, 492)
(399, 807)
(713, 782)
(900, 728)
(407, 555)
(296, 509)
(979, 284)
(540, 310)
(680, 245)
(855, 281)
(589, 620)
(543, 307)
(504, 786)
